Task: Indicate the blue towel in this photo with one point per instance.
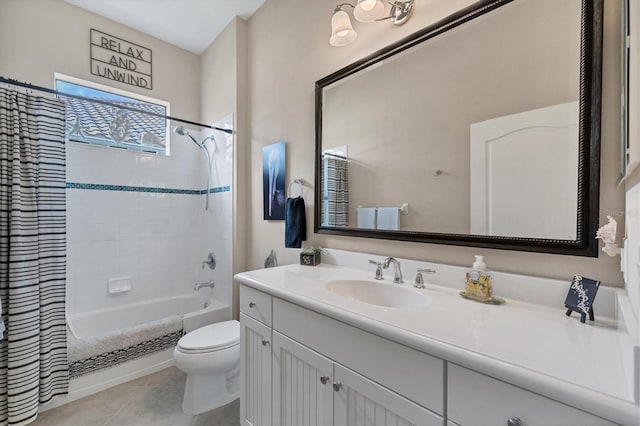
(295, 223)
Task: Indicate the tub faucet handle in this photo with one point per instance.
(210, 260)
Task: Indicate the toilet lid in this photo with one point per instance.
(213, 336)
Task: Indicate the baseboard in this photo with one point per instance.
(96, 382)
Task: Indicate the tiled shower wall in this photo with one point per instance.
(142, 216)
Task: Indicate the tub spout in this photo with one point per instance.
(198, 286)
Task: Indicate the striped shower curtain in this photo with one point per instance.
(33, 352)
(335, 206)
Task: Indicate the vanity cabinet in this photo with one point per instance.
(302, 367)
(311, 389)
(255, 372)
(256, 304)
(287, 382)
(360, 401)
(476, 399)
(255, 357)
(302, 384)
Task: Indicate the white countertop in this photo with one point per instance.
(533, 346)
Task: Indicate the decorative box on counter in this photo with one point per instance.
(311, 256)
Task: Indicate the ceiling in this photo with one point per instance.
(189, 24)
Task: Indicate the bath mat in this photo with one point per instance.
(90, 346)
(110, 359)
(88, 354)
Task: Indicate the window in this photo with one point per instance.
(118, 118)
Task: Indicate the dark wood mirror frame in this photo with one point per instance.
(588, 133)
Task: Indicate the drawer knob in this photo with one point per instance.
(337, 386)
(324, 379)
(514, 421)
(252, 304)
(265, 342)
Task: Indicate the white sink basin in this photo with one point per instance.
(381, 294)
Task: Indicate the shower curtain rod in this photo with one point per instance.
(13, 82)
(338, 156)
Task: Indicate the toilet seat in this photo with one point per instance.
(211, 338)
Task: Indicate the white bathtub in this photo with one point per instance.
(191, 307)
(108, 321)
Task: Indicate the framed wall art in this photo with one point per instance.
(273, 181)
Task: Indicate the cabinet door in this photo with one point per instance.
(478, 400)
(302, 384)
(359, 401)
(255, 372)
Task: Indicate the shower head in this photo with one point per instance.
(184, 132)
(181, 130)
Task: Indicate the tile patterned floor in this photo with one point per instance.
(151, 400)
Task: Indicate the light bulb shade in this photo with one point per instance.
(369, 10)
(342, 32)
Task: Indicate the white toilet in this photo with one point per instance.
(211, 358)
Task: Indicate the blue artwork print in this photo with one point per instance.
(273, 181)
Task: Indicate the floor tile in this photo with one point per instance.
(228, 415)
(155, 399)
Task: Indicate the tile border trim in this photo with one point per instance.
(128, 188)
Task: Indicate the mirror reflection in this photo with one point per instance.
(472, 132)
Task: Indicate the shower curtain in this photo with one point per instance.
(335, 209)
(33, 354)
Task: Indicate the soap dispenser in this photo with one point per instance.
(479, 286)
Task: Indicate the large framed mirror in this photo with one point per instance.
(480, 130)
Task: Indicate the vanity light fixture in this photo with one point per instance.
(342, 32)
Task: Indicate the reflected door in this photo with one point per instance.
(524, 174)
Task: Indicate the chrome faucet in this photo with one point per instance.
(198, 286)
(397, 273)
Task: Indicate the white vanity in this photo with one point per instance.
(314, 353)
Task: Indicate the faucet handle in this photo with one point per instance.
(419, 282)
(210, 260)
(378, 269)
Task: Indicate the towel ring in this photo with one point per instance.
(299, 182)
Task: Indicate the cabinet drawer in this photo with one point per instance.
(410, 373)
(256, 304)
(476, 399)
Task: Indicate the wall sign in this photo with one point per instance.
(120, 60)
(581, 296)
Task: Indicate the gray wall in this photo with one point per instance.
(41, 37)
(289, 51)
(224, 90)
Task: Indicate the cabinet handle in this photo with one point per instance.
(337, 386)
(514, 421)
(265, 342)
(324, 379)
(252, 304)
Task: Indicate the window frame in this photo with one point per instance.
(123, 93)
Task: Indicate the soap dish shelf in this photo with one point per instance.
(489, 301)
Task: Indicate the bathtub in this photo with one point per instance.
(196, 310)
